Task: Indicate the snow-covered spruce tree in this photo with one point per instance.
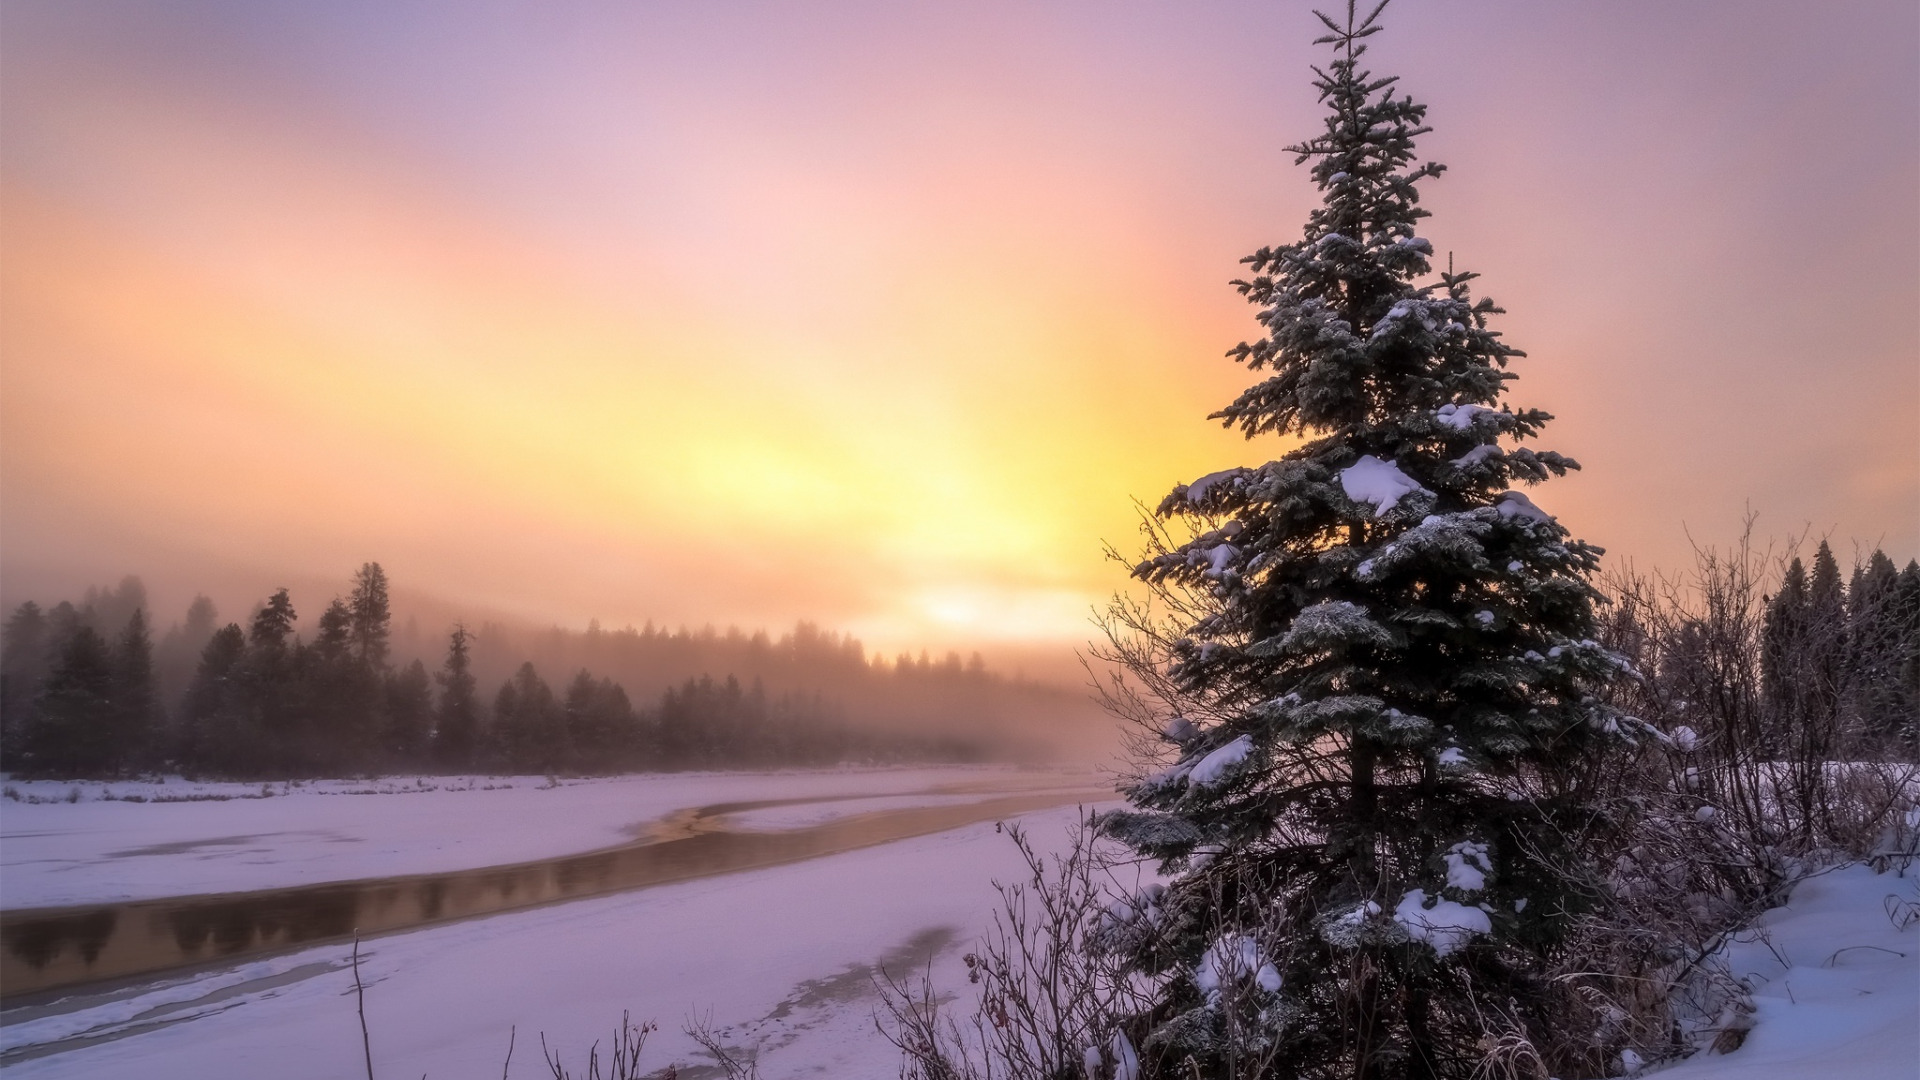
(1380, 681)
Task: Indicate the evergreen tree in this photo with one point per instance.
(62, 620)
(273, 623)
(673, 739)
(1906, 613)
(202, 620)
(73, 726)
(343, 693)
(1827, 613)
(178, 653)
(1382, 675)
(409, 715)
(600, 724)
(1877, 638)
(333, 637)
(107, 610)
(1781, 635)
(529, 729)
(265, 706)
(135, 720)
(23, 668)
(368, 628)
(457, 721)
(214, 733)
(1809, 660)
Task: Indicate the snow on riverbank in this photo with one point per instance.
(228, 838)
(1836, 978)
(782, 958)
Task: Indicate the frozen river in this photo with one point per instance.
(823, 880)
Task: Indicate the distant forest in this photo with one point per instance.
(87, 691)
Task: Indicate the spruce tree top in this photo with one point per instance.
(1383, 579)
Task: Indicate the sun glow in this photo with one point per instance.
(744, 321)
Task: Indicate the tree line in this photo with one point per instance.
(81, 695)
(1844, 657)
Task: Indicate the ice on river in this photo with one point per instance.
(783, 959)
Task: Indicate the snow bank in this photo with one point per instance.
(1836, 980)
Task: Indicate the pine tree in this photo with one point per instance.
(214, 731)
(107, 610)
(1876, 634)
(178, 653)
(529, 729)
(456, 726)
(1781, 633)
(23, 668)
(1380, 674)
(273, 623)
(72, 732)
(333, 637)
(268, 714)
(409, 715)
(600, 724)
(343, 693)
(1809, 691)
(1906, 613)
(136, 717)
(368, 629)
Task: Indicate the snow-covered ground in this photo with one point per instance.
(781, 958)
(1836, 978)
(213, 838)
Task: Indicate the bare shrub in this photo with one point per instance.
(630, 1041)
(734, 1063)
(1054, 999)
(1737, 791)
(623, 1064)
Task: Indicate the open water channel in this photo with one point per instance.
(48, 949)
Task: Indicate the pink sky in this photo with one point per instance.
(881, 314)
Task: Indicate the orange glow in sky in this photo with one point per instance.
(880, 315)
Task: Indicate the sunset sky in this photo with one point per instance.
(883, 314)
